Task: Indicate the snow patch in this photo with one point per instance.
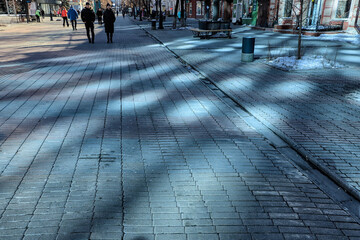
(306, 62)
(348, 38)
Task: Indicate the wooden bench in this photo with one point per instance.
(202, 33)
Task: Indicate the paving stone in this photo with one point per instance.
(170, 236)
(124, 142)
(193, 236)
(269, 236)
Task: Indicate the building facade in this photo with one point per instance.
(317, 14)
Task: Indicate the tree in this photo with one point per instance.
(227, 12)
(175, 14)
(299, 12)
(182, 8)
(65, 3)
(300, 29)
(215, 10)
(161, 16)
(263, 9)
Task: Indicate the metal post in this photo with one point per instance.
(15, 10)
(51, 16)
(27, 12)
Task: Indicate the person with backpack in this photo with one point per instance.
(109, 19)
(88, 17)
(72, 15)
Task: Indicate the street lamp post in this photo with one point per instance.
(51, 16)
(27, 11)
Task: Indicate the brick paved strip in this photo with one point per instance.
(131, 144)
(316, 112)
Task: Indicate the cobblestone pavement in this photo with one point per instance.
(317, 111)
(121, 141)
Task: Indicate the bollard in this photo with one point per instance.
(248, 45)
(153, 24)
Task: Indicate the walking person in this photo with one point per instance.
(73, 15)
(64, 16)
(42, 14)
(88, 17)
(123, 13)
(38, 15)
(117, 12)
(99, 14)
(109, 19)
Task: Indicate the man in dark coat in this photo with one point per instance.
(88, 17)
(109, 19)
(99, 14)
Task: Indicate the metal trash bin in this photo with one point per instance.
(153, 24)
(248, 46)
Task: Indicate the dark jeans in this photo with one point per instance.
(37, 18)
(90, 26)
(109, 37)
(73, 24)
(100, 20)
(65, 20)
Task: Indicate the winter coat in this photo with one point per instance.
(64, 13)
(37, 13)
(109, 19)
(88, 16)
(72, 14)
(99, 13)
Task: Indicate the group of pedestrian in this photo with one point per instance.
(70, 14)
(39, 13)
(88, 17)
(108, 17)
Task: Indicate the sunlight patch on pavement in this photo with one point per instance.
(74, 57)
(291, 89)
(225, 49)
(142, 100)
(243, 83)
(186, 46)
(184, 111)
(184, 78)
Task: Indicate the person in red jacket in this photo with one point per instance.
(64, 16)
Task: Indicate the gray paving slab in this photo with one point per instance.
(314, 111)
(121, 141)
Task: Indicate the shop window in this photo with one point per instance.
(198, 8)
(247, 8)
(190, 9)
(288, 8)
(343, 8)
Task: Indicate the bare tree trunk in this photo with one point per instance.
(263, 11)
(175, 14)
(183, 23)
(15, 12)
(157, 11)
(161, 17)
(215, 11)
(227, 12)
(300, 29)
(7, 7)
